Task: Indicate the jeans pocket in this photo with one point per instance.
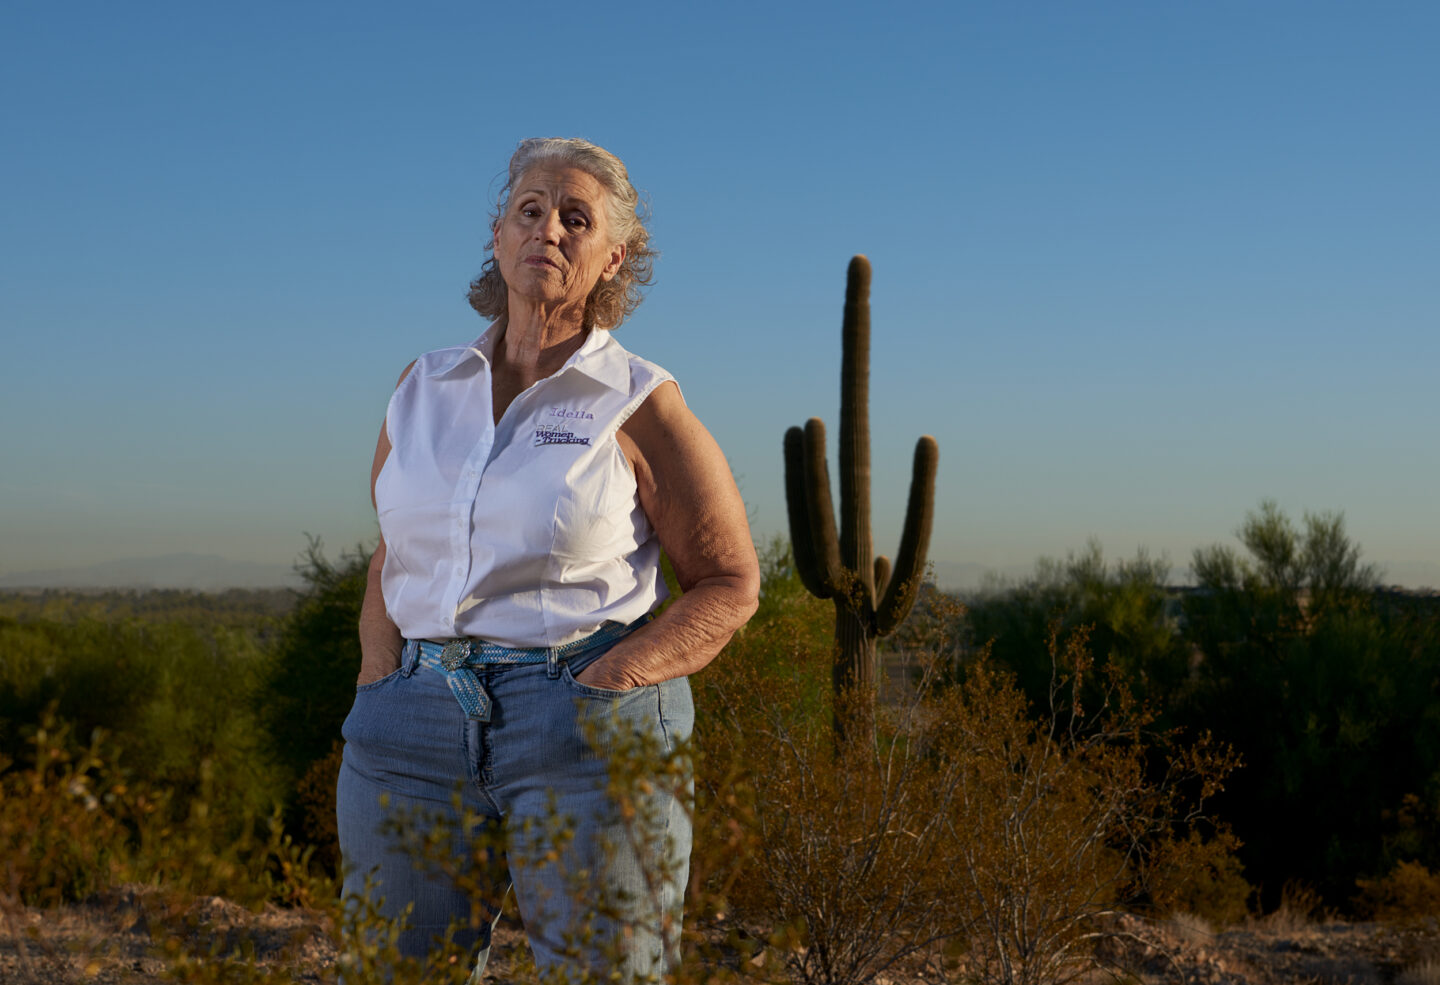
(593, 692)
(373, 685)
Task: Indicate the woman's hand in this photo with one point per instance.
(608, 676)
(690, 498)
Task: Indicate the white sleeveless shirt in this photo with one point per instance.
(528, 532)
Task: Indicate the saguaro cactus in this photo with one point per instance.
(871, 597)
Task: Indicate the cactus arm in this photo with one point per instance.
(821, 510)
(904, 584)
(856, 545)
(882, 575)
(807, 564)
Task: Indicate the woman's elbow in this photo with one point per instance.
(730, 599)
(747, 594)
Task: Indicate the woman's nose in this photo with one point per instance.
(550, 227)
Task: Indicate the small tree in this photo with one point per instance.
(1317, 568)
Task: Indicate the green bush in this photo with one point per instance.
(1124, 606)
(307, 683)
(1327, 687)
(175, 697)
(1330, 695)
(305, 689)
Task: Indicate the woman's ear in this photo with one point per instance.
(617, 258)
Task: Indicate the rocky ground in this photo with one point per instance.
(120, 937)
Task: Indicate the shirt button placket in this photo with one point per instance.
(462, 527)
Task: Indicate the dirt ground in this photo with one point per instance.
(113, 939)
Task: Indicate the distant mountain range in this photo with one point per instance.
(210, 573)
(198, 572)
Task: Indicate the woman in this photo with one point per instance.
(525, 485)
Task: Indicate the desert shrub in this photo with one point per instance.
(315, 806)
(1200, 875)
(75, 820)
(975, 826)
(1073, 814)
(1408, 893)
(75, 825)
(63, 814)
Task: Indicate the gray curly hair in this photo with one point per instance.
(612, 300)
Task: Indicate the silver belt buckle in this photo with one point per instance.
(454, 654)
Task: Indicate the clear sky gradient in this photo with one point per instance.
(1137, 265)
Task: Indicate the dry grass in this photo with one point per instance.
(1190, 929)
(1425, 973)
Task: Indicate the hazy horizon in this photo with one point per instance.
(214, 573)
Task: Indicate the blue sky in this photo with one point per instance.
(1137, 265)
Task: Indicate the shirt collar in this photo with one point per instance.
(447, 361)
(600, 357)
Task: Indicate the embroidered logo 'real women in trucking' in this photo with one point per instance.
(560, 434)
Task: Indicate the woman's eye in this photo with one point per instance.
(578, 221)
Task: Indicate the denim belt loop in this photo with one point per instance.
(552, 663)
(409, 657)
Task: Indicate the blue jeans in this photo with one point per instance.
(551, 803)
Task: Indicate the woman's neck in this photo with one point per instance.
(526, 353)
(536, 343)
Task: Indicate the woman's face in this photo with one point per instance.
(552, 244)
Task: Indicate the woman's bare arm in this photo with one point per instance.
(380, 641)
(688, 494)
